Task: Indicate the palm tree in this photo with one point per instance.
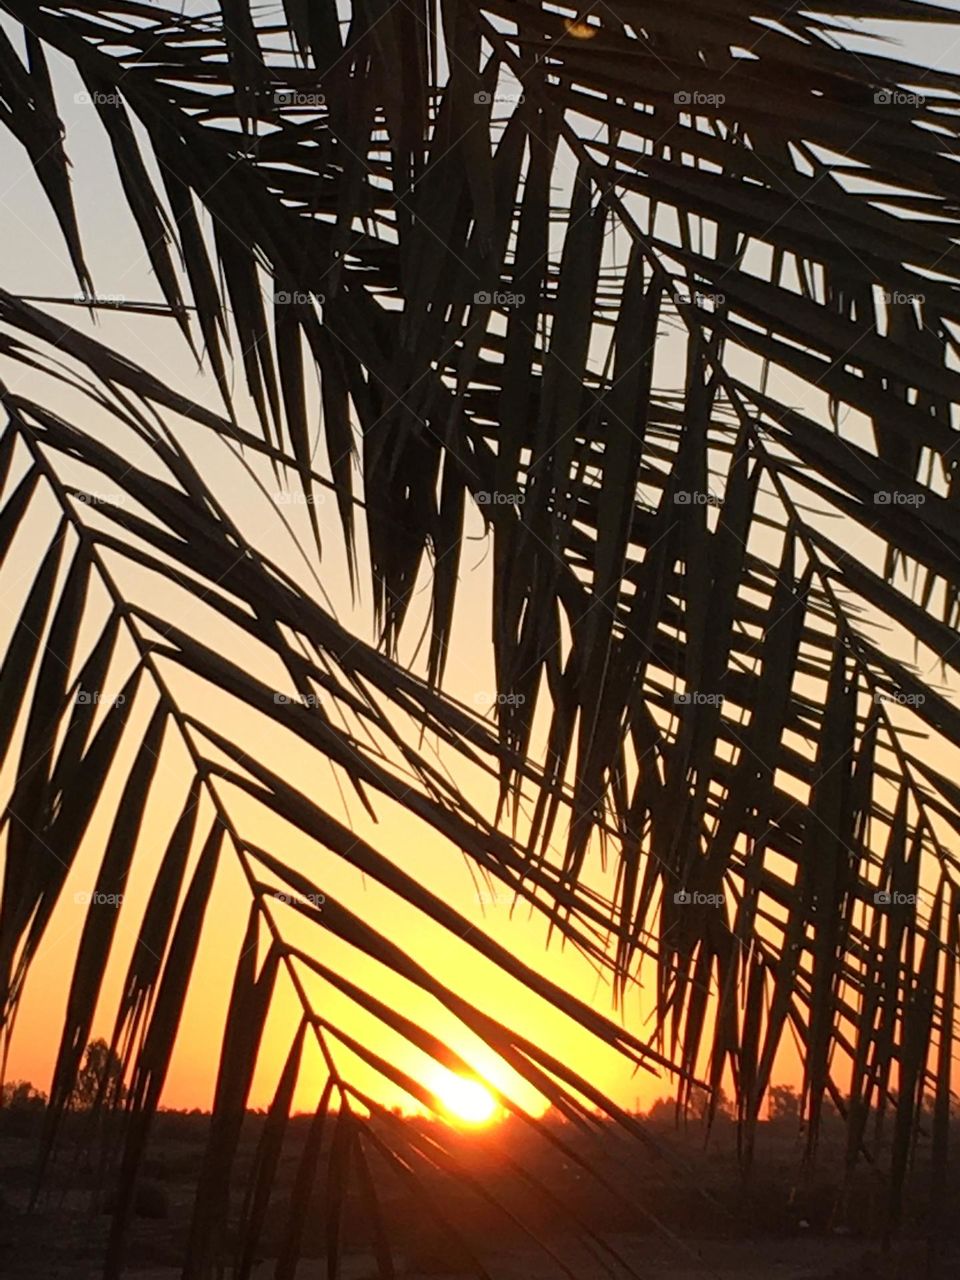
(671, 302)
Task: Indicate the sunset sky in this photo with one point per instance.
(37, 266)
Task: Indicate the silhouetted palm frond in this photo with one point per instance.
(672, 300)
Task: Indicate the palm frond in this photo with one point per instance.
(664, 304)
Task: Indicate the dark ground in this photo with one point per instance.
(688, 1214)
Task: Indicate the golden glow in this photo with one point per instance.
(468, 1101)
(579, 29)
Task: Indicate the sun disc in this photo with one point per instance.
(469, 1101)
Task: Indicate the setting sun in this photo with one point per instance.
(468, 1101)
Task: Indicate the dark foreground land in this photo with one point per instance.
(687, 1215)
